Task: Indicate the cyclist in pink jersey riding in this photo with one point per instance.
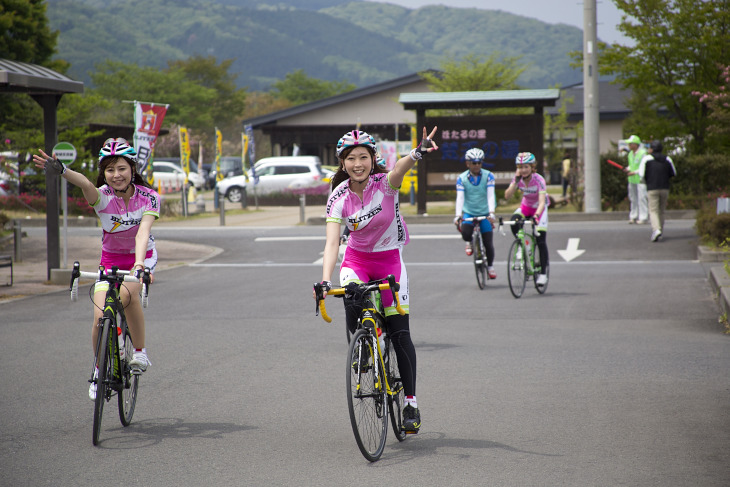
(126, 206)
(365, 199)
(534, 205)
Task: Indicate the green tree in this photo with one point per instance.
(200, 92)
(718, 104)
(475, 73)
(298, 88)
(25, 37)
(679, 48)
(24, 32)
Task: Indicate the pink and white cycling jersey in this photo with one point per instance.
(531, 191)
(375, 222)
(120, 222)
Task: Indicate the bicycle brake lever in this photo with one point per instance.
(317, 294)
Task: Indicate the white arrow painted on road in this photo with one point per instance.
(571, 252)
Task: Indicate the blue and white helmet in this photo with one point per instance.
(354, 138)
(525, 158)
(118, 147)
(475, 155)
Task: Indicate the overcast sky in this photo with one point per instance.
(551, 11)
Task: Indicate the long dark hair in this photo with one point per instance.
(341, 174)
(137, 178)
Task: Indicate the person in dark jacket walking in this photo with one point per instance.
(656, 169)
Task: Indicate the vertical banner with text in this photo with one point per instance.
(148, 119)
(185, 152)
(218, 152)
(251, 151)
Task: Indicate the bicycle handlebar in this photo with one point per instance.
(367, 287)
(116, 275)
(475, 218)
(521, 221)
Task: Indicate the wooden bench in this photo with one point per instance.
(7, 261)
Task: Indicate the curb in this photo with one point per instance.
(717, 275)
(554, 217)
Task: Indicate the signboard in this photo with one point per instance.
(65, 152)
(500, 137)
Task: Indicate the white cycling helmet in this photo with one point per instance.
(353, 138)
(525, 158)
(475, 155)
(118, 147)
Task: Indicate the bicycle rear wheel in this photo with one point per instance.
(397, 396)
(480, 264)
(516, 272)
(128, 394)
(366, 396)
(102, 381)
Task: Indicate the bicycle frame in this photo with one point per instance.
(478, 249)
(528, 250)
(372, 316)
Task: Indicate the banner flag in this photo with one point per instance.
(244, 150)
(185, 151)
(148, 119)
(251, 151)
(218, 152)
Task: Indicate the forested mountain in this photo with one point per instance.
(358, 42)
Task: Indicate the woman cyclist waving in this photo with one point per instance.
(365, 198)
(534, 205)
(126, 206)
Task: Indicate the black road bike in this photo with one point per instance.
(114, 347)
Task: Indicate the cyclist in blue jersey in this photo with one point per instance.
(475, 197)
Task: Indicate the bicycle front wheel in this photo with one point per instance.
(516, 271)
(102, 381)
(366, 396)
(130, 382)
(396, 395)
(480, 264)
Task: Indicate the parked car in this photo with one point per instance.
(7, 185)
(168, 172)
(230, 166)
(276, 175)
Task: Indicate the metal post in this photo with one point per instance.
(17, 240)
(215, 197)
(184, 202)
(590, 109)
(222, 208)
(302, 207)
(413, 194)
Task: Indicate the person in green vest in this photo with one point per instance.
(639, 212)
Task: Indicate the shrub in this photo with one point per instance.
(36, 202)
(711, 227)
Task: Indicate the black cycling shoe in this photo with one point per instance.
(411, 420)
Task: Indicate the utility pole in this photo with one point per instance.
(590, 109)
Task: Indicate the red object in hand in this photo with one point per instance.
(615, 164)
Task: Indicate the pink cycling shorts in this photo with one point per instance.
(358, 266)
(125, 261)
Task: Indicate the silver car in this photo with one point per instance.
(276, 175)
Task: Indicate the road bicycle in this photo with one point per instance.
(114, 347)
(523, 261)
(374, 386)
(478, 251)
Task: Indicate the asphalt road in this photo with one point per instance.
(618, 375)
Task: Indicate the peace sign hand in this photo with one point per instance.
(426, 145)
